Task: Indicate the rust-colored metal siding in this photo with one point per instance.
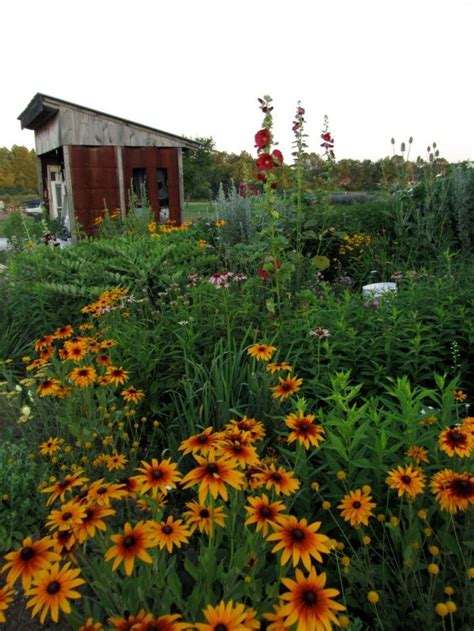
(151, 159)
(95, 183)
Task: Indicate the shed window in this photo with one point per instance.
(162, 183)
(139, 183)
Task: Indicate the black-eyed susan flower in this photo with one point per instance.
(202, 443)
(44, 342)
(212, 475)
(132, 394)
(131, 544)
(203, 517)
(116, 462)
(239, 451)
(28, 560)
(63, 332)
(129, 485)
(67, 517)
(6, 597)
(261, 352)
(163, 623)
(249, 425)
(278, 479)
(92, 521)
(48, 387)
(460, 396)
(418, 454)
(50, 446)
(278, 367)
(276, 620)
(304, 429)
(170, 533)
(103, 359)
(356, 508)
(76, 350)
(263, 513)
(52, 589)
(127, 623)
(456, 442)
(286, 388)
(309, 604)
(83, 376)
(223, 616)
(60, 488)
(157, 477)
(299, 540)
(103, 493)
(407, 480)
(117, 375)
(453, 491)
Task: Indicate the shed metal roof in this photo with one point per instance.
(42, 108)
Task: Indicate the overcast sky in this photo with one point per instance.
(378, 68)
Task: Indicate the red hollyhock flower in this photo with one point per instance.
(262, 139)
(278, 157)
(261, 272)
(261, 177)
(273, 185)
(300, 111)
(326, 136)
(264, 162)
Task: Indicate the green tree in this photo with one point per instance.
(197, 168)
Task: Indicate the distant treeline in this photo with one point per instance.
(17, 171)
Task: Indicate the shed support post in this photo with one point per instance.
(119, 161)
(181, 185)
(69, 191)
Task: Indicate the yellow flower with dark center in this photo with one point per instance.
(48, 387)
(103, 492)
(163, 623)
(202, 517)
(59, 489)
(103, 359)
(310, 605)
(305, 431)
(280, 480)
(286, 388)
(105, 344)
(67, 517)
(50, 447)
(169, 533)
(92, 521)
(117, 375)
(261, 352)
(356, 508)
(132, 394)
(83, 376)
(456, 442)
(223, 617)
(64, 543)
(242, 453)
(76, 350)
(129, 485)
(126, 624)
(407, 480)
(263, 513)
(6, 597)
(454, 491)
(116, 462)
(63, 332)
(130, 545)
(157, 477)
(250, 425)
(299, 541)
(418, 454)
(44, 342)
(203, 443)
(278, 367)
(29, 559)
(90, 625)
(52, 589)
(459, 395)
(277, 620)
(36, 363)
(212, 475)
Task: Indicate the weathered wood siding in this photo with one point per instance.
(48, 137)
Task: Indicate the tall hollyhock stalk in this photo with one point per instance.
(267, 162)
(300, 145)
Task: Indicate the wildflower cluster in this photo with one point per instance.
(354, 244)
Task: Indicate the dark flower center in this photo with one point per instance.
(129, 541)
(297, 534)
(406, 479)
(167, 530)
(276, 476)
(462, 488)
(204, 513)
(202, 439)
(457, 437)
(67, 516)
(102, 490)
(157, 474)
(220, 627)
(53, 587)
(285, 387)
(83, 373)
(212, 468)
(265, 512)
(310, 598)
(90, 512)
(63, 484)
(27, 553)
(303, 427)
(356, 504)
(237, 447)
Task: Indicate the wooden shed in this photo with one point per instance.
(88, 161)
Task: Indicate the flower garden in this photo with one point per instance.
(210, 426)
